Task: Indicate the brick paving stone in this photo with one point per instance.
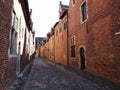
(46, 75)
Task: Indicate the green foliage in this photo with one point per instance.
(37, 41)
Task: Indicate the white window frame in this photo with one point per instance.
(9, 54)
(81, 21)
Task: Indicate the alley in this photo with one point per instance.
(45, 75)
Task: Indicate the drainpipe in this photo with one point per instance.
(67, 41)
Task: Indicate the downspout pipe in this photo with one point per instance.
(67, 40)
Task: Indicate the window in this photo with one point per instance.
(84, 11)
(73, 46)
(65, 24)
(73, 1)
(13, 44)
(14, 21)
(73, 51)
(60, 30)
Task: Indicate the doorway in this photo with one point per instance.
(82, 58)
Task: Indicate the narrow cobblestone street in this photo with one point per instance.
(45, 75)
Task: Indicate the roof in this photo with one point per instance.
(55, 24)
(26, 12)
(64, 13)
(65, 6)
(63, 10)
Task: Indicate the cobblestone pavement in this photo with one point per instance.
(21, 79)
(46, 75)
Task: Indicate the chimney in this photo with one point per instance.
(60, 2)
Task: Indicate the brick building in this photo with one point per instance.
(61, 33)
(77, 34)
(46, 46)
(51, 45)
(93, 40)
(54, 46)
(42, 48)
(14, 17)
(7, 73)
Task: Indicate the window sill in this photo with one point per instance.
(82, 22)
(117, 33)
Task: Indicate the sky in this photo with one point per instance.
(45, 14)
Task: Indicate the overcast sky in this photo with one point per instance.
(45, 14)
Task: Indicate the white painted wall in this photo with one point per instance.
(19, 13)
(29, 35)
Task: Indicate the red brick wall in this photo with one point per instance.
(58, 44)
(103, 26)
(64, 41)
(77, 30)
(41, 50)
(97, 37)
(46, 50)
(61, 43)
(51, 48)
(7, 64)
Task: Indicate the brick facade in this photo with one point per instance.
(78, 30)
(103, 27)
(46, 49)
(61, 42)
(97, 37)
(61, 29)
(92, 39)
(7, 64)
(7, 61)
(51, 46)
